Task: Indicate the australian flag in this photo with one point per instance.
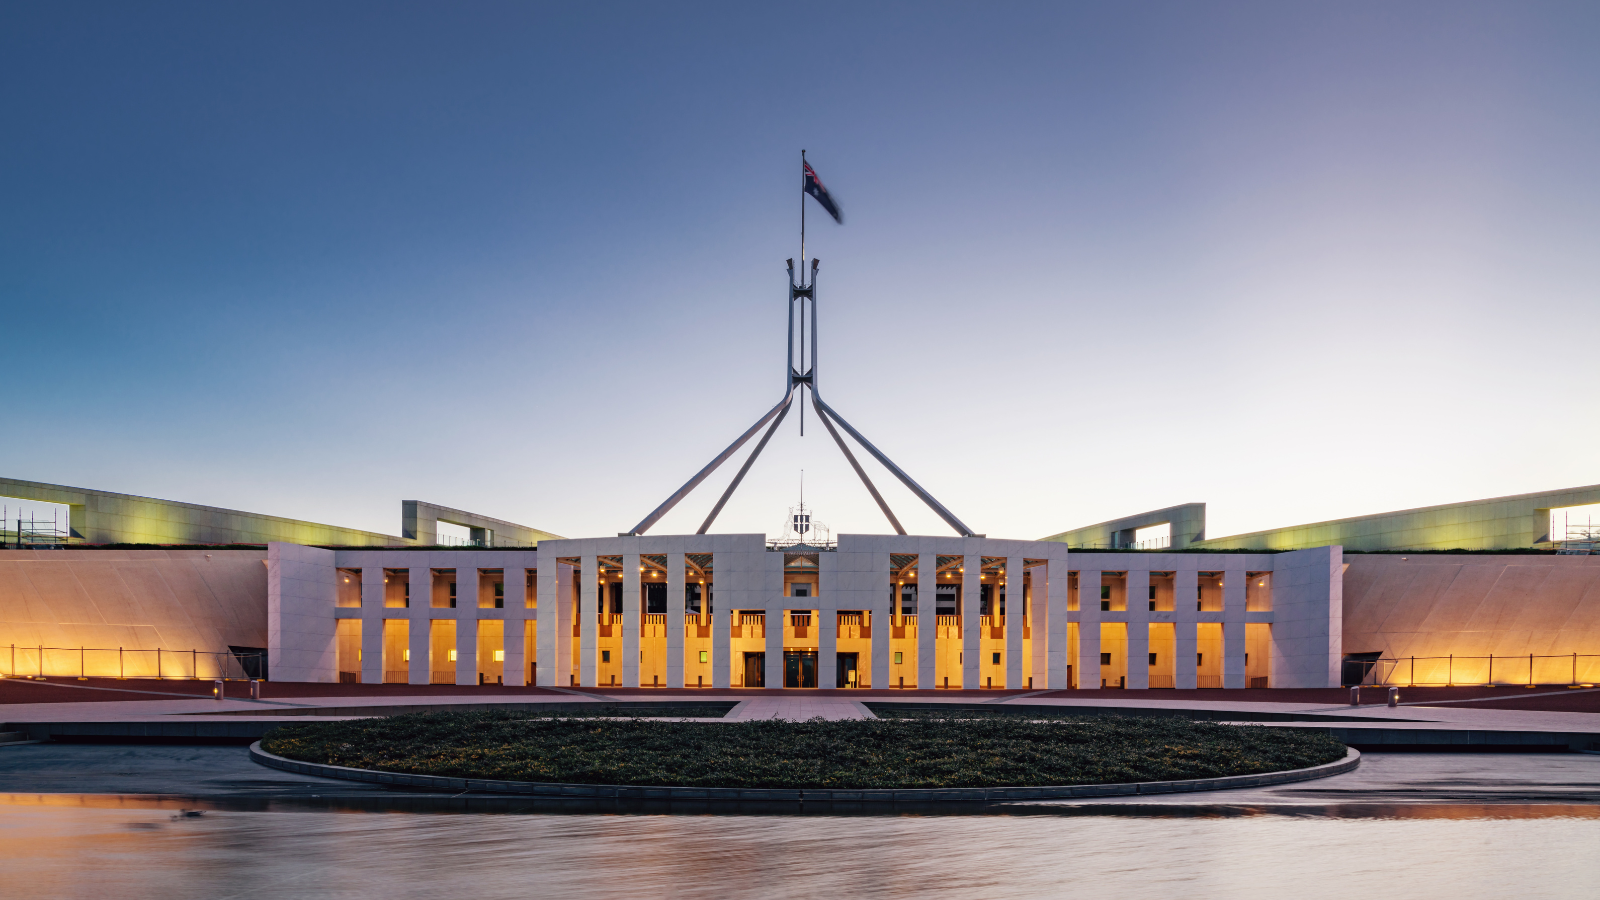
(813, 186)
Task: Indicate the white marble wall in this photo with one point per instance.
(302, 589)
(1307, 617)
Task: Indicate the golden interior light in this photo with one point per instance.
(452, 656)
(499, 656)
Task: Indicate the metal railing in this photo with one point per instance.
(120, 662)
(1451, 670)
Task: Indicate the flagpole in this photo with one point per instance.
(802, 276)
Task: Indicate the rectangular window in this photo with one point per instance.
(1105, 592)
(705, 656)
(799, 590)
(1152, 592)
(898, 657)
(500, 656)
(1152, 659)
(1152, 606)
(499, 595)
(605, 656)
(1199, 592)
(1105, 605)
(996, 659)
(655, 598)
(1199, 659)
(1105, 659)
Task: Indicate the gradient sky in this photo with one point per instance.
(1295, 260)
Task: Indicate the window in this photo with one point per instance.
(1152, 659)
(605, 656)
(452, 656)
(996, 659)
(1105, 659)
(655, 598)
(1199, 659)
(1105, 592)
(1152, 592)
(799, 590)
(898, 657)
(1105, 605)
(452, 595)
(705, 656)
(500, 656)
(499, 595)
(1199, 592)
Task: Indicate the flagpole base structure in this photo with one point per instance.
(802, 378)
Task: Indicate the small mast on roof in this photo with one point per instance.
(802, 527)
(800, 375)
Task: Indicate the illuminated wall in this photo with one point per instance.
(150, 603)
(1434, 607)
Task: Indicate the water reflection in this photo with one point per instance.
(77, 846)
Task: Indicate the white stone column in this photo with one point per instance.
(552, 587)
(886, 599)
(827, 604)
(589, 604)
(1039, 628)
(971, 598)
(421, 611)
(1185, 627)
(372, 625)
(721, 622)
(466, 634)
(1089, 628)
(927, 582)
(1015, 587)
(514, 668)
(770, 569)
(1138, 592)
(676, 582)
(1058, 657)
(631, 621)
(1233, 618)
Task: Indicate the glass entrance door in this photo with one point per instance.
(800, 668)
(847, 670)
(755, 670)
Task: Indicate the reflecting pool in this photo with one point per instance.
(67, 845)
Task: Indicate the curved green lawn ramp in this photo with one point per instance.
(857, 754)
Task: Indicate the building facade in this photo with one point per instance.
(872, 611)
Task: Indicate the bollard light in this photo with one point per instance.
(1355, 695)
(1394, 697)
(216, 689)
(255, 689)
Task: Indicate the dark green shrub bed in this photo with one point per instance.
(912, 753)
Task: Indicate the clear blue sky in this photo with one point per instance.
(1296, 260)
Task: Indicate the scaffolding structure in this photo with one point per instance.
(1578, 538)
(33, 533)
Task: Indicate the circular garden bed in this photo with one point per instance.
(919, 753)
